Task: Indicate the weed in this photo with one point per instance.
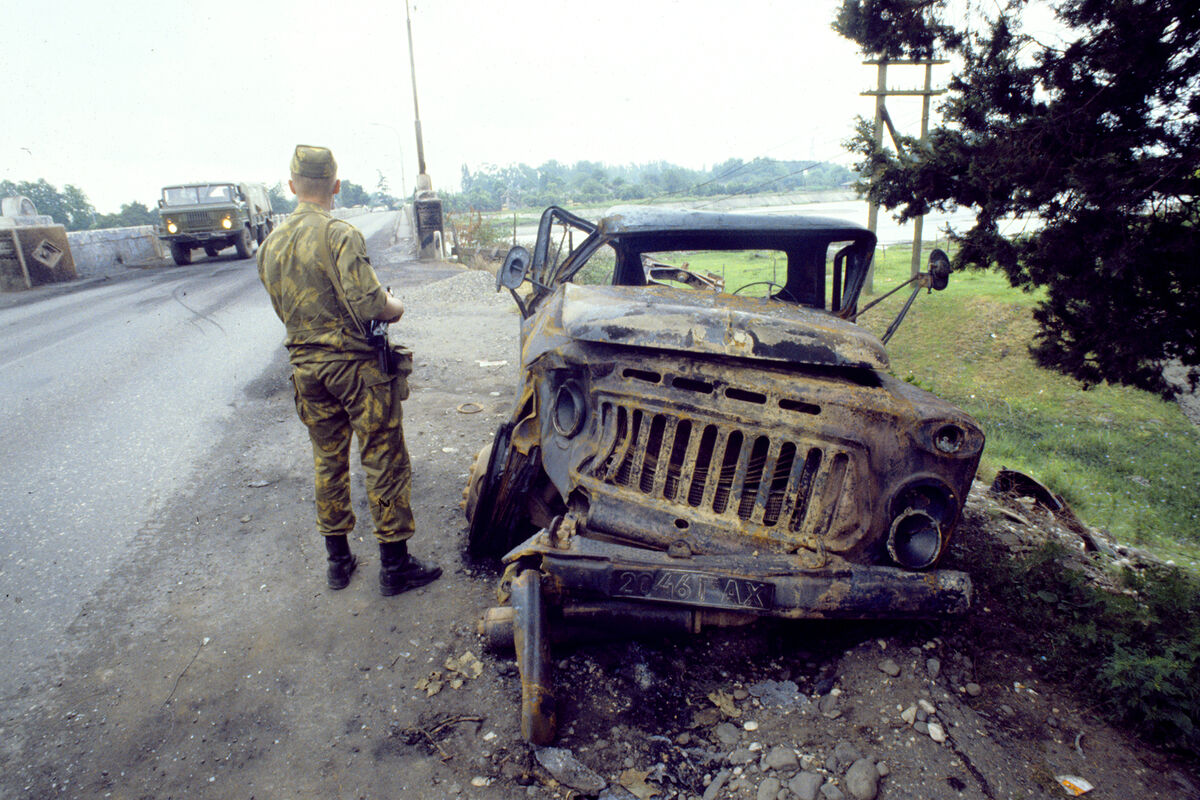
(472, 231)
(1135, 648)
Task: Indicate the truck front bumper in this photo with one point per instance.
(582, 569)
(200, 238)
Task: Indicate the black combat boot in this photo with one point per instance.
(341, 562)
(399, 572)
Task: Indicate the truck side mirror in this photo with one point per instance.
(939, 270)
(512, 274)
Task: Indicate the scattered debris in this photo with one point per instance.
(635, 781)
(458, 672)
(432, 684)
(466, 665)
(1018, 484)
(777, 694)
(725, 703)
(430, 735)
(469, 408)
(568, 770)
(1073, 785)
(486, 364)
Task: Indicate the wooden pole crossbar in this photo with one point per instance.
(882, 119)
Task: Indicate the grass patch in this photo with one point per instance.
(1124, 459)
(1134, 652)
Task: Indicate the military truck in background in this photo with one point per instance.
(214, 216)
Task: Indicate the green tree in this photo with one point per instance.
(130, 215)
(352, 195)
(1095, 144)
(282, 202)
(69, 208)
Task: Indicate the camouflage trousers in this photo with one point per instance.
(334, 398)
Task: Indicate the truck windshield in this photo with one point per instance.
(196, 195)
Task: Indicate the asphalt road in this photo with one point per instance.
(110, 393)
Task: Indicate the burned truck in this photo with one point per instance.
(703, 435)
(214, 216)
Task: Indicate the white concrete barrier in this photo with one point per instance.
(99, 252)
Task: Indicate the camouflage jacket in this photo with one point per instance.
(318, 326)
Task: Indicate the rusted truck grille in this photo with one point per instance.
(764, 480)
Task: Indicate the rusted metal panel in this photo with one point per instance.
(708, 323)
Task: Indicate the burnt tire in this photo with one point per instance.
(181, 255)
(475, 481)
(243, 243)
(479, 501)
(496, 498)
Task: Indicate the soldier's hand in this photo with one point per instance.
(393, 310)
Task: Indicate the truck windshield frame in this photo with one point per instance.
(198, 194)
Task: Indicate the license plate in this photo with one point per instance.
(695, 588)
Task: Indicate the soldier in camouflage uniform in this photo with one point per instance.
(339, 385)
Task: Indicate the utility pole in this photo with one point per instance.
(412, 70)
(873, 211)
(427, 206)
(882, 118)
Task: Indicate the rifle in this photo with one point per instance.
(377, 337)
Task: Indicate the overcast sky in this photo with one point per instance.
(120, 98)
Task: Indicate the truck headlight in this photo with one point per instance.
(227, 223)
(915, 540)
(950, 437)
(921, 513)
(172, 227)
(570, 407)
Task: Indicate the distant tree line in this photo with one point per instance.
(71, 208)
(492, 188)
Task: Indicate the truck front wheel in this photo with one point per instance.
(182, 254)
(243, 243)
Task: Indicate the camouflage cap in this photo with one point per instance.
(313, 162)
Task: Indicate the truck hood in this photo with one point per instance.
(719, 324)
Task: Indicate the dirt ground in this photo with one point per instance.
(215, 663)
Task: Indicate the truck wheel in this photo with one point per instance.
(181, 254)
(211, 250)
(243, 243)
(497, 498)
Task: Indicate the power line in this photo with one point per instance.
(755, 188)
